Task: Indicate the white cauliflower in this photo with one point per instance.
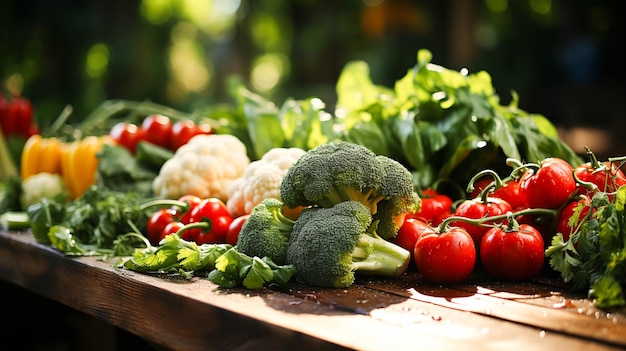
(261, 180)
(205, 166)
(42, 185)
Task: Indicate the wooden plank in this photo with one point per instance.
(373, 314)
(532, 305)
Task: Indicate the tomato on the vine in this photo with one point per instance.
(157, 223)
(512, 253)
(409, 232)
(447, 257)
(606, 176)
(216, 217)
(509, 191)
(171, 228)
(479, 208)
(157, 129)
(562, 221)
(192, 201)
(550, 185)
(434, 204)
(185, 129)
(127, 135)
(232, 234)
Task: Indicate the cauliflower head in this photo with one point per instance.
(205, 166)
(261, 180)
(42, 185)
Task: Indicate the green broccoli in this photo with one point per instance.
(400, 198)
(328, 246)
(266, 231)
(332, 173)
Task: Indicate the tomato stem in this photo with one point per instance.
(481, 221)
(184, 206)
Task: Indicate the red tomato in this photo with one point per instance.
(157, 130)
(127, 135)
(409, 232)
(550, 185)
(512, 255)
(562, 221)
(509, 192)
(192, 201)
(477, 209)
(606, 176)
(17, 117)
(171, 228)
(232, 234)
(447, 257)
(157, 222)
(184, 130)
(434, 205)
(214, 213)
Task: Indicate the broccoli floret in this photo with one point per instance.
(266, 231)
(332, 173)
(329, 245)
(400, 197)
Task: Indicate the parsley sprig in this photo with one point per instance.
(594, 256)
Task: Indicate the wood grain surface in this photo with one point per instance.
(374, 314)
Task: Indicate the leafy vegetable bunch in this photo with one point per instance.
(593, 256)
(101, 222)
(439, 123)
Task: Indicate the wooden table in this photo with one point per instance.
(373, 314)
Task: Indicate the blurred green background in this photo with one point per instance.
(564, 58)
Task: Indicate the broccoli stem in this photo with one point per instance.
(366, 196)
(375, 255)
(283, 223)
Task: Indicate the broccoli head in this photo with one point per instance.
(266, 231)
(332, 173)
(328, 246)
(399, 199)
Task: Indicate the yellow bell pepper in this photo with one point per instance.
(79, 163)
(40, 155)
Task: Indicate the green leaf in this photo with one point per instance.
(607, 292)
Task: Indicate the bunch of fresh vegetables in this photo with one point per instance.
(348, 192)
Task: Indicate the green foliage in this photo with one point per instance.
(227, 267)
(594, 257)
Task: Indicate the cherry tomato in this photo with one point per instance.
(157, 222)
(509, 192)
(512, 254)
(550, 185)
(562, 221)
(157, 130)
(232, 234)
(192, 201)
(606, 176)
(185, 129)
(212, 211)
(434, 204)
(476, 209)
(447, 257)
(127, 135)
(171, 228)
(409, 232)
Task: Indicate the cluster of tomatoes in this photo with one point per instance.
(503, 224)
(159, 130)
(196, 220)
